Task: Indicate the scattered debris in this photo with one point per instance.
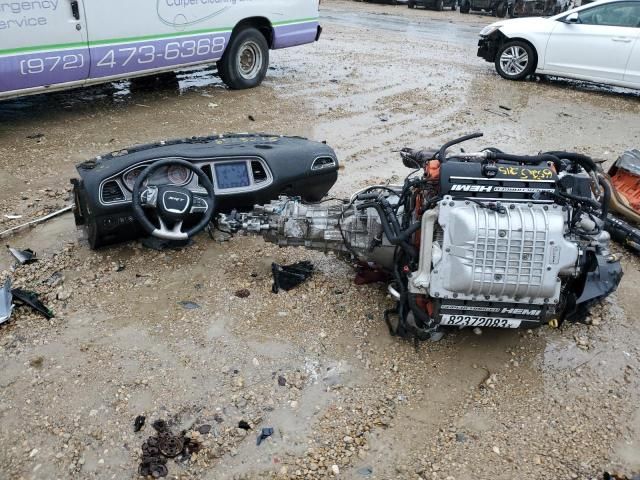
(244, 425)
(158, 449)
(6, 304)
(286, 277)
(243, 293)
(35, 136)
(36, 221)
(188, 305)
(139, 423)
(368, 272)
(54, 280)
(504, 107)
(266, 433)
(252, 118)
(31, 299)
(365, 471)
(13, 217)
(160, 426)
(23, 256)
(204, 429)
(282, 381)
(160, 245)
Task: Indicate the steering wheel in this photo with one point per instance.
(172, 204)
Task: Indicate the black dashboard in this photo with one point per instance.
(245, 169)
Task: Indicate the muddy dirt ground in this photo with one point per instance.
(345, 399)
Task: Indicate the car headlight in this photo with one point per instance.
(489, 29)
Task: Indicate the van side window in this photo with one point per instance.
(625, 14)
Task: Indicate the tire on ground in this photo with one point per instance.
(245, 61)
(528, 67)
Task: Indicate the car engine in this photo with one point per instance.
(484, 239)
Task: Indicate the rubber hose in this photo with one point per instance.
(606, 198)
(585, 162)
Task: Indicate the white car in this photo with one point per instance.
(598, 42)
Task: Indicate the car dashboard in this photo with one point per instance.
(245, 169)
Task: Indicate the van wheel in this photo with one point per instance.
(439, 5)
(245, 61)
(501, 10)
(515, 60)
(465, 6)
(411, 4)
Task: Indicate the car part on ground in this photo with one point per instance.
(242, 169)
(625, 177)
(31, 299)
(623, 233)
(11, 298)
(6, 302)
(287, 277)
(157, 450)
(23, 257)
(480, 239)
(264, 434)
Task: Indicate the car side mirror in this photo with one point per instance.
(572, 18)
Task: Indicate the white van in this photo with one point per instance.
(50, 45)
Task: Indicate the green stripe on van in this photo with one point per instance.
(64, 46)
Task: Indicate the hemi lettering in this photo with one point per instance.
(520, 311)
(472, 188)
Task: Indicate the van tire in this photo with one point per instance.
(465, 6)
(245, 62)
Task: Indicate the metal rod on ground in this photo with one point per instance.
(36, 221)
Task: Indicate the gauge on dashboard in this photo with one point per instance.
(178, 175)
(131, 176)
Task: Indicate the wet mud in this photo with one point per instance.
(355, 403)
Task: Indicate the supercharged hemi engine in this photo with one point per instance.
(483, 239)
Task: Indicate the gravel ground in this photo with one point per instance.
(317, 364)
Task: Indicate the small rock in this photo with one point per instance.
(243, 293)
(496, 450)
(204, 429)
(335, 470)
(64, 295)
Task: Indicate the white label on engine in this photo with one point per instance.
(472, 321)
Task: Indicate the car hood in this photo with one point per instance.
(521, 24)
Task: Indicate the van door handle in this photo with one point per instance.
(621, 39)
(75, 10)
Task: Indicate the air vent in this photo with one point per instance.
(322, 163)
(111, 192)
(259, 173)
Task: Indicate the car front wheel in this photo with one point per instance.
(515, 60)
(245, 62)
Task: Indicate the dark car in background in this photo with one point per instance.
(499, 8)
(438, 5)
